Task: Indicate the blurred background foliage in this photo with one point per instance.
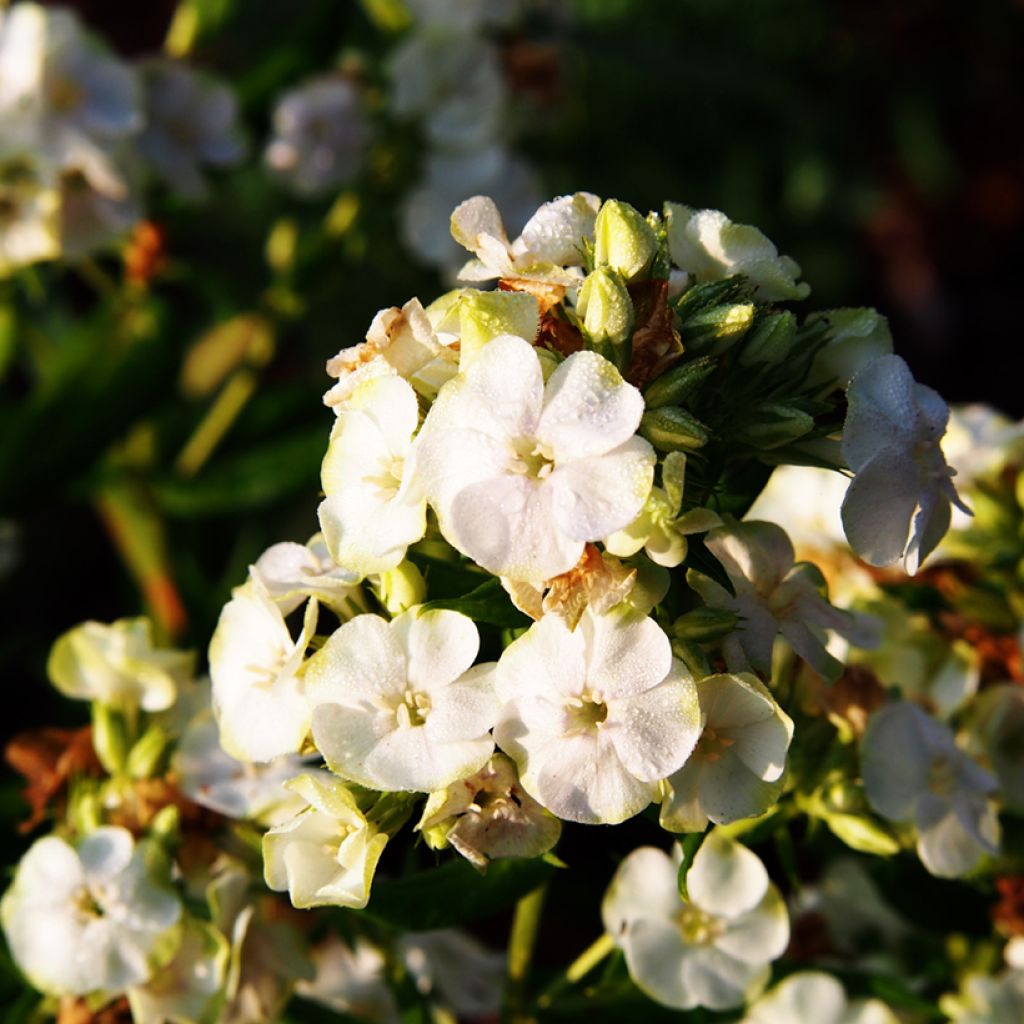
(160, 414)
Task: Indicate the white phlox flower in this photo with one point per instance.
(979, 441)
(455, 970)
(258, 693)
(292, 573)
(29, 215)
(523, 474)
(902, 486)
(190, 986)
(118, 664)
(320, 135)
(63, 96)
(374, 506)
(399, 706)
(987, 1000)
(996, 733)
(661, 528)
(191, 122)
(736, 769)
(210, 776)
(713, 949)
(774, 594)
(710, 247)
(550, 247)
(351, 980)
(914, 772)
(327, 854)
(814, 997)
(96, 917)
(489, 816)
(855, 338)
(595, 717)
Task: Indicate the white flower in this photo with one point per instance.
(327, 854)
(95, 918)
(523, 474)
(855, 338)
(773, 595)
(189, 987)
(813, 997)
(29, 207)
(118, 665)
(489, 816)
(914, 771)
(985, 1000)
(320, 136)
(805, 502)
(996, 732)
(661, 528)
(551, 241)
(595, 718)
(211, 777)
(397, 705)
(710, 247)
(455, 970)
(713, 950)
(375, 506)
(735, 771)
(351, 981)
(258, 695)
(191, 121)
(292, 573)
(91, 218)
(902, 483)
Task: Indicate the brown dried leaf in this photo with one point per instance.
(656, 344)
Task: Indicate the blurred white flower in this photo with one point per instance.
(351, 980)
(292, 573)
(455, 970)
(374, 506)
(710, 247)
(814, 997)
(398, 705)
(713, 950)
(93, 918)
(29, 215)
(327, 854)
(258, 695)
(736, 769)
(522, 474)
(91, 219)
(902, 485)
(191, 122)
(995, 731)
(595, 717)
(773, 595)
(118, 664)
(987, 1000)
(321, 136)
(914, 771)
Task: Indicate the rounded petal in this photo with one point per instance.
(882, 410)
(879, 506)
(624, 655)
(726, 878)
(465, 709)
(729, 791)
(104, 853)
(808, 997)
(548, 660)
(896, 754)
(646, 885)
(362, 660)
(760, 935)
(439, 646)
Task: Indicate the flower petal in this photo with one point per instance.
(726, 878)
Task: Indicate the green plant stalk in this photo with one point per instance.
(217, 422)
(578, 969)
(521, 944)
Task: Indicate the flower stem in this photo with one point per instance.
(217, 422)
(579, 968)
(521, 943)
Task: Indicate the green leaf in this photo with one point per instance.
(487, 603)
(455, 893)
(690, 844)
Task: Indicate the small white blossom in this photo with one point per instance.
(773, 595)
(914, 771)
(90, 218)
(735, 771)
(320, 136)
(398, 705)
(996, 733)
(903, 486)
(117, 664)
(595, 717)
(191, 122)
(523, 474)
(292, 573)
(258, 695)
(351, 980)
(92, 918)
(327, 854)
(374, 506)
(710, 247)
(455, 970)
(29, 215)
(985, 1000)
(813, 997)
(712, 950)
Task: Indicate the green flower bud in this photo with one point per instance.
(401, 588)
(673, 430)
(679, 383)
(772, 426)
(717, 329)
(606, 308)
(144, 759)
(483, 316)
(166, 824)
(770, 341)
(692, 657)
(109, 737)
(437, 836)
(705, 625)
(623, 240)
(282, 243)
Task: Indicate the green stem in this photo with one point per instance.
(521, 944)
(217, 422)
(579, 968)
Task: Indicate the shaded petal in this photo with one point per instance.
(896, 755)
(726, 878)
(879, 505)
(729, 791)
(760, 935)
(466, 708)
(646, 885)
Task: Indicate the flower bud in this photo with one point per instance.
(771, 341)
(773, 426)
(705, 625)
(281, 245)
(673, 430)
(606, 308)
(166, 824)
(717, 329)
(679, 383)
(109, 737)
(146, 755)
(623, 240)
(401, 588)
(483, 316)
